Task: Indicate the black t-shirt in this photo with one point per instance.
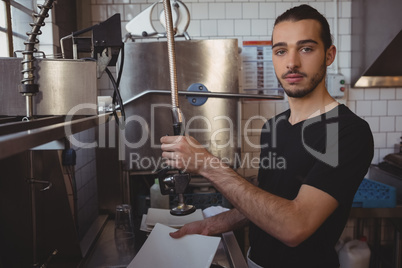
(331, 152)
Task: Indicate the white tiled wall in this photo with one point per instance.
(253, 20)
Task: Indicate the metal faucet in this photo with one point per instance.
(176, 183)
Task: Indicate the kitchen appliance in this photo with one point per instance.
(145, 91)
(376, 42)
(206, 88)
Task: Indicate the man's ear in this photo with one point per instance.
(330, 55)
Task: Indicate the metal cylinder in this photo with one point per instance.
(213, 63)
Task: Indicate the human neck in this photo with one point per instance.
(310, 106)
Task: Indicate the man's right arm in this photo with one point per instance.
(223, 222)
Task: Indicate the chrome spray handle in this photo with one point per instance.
(175, 183)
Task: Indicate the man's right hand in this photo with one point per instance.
(196, 227)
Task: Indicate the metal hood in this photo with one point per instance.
(376, 43)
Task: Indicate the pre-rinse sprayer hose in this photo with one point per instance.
(176, 113)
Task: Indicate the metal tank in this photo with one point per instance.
(202, 65)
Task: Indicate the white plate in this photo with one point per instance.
(160, 250)
(163, 216)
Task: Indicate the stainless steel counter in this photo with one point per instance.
(21, 136)
(106, 254)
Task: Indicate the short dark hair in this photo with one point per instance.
(304, 12)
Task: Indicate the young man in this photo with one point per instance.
(299, 209)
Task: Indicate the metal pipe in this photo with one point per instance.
(33, 210)
(29, 88)
(62, 44)
(9, 29)
(205, 94)
(29, 106)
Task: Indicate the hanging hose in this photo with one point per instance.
(176, 113)
(29, 88)
(180, 179)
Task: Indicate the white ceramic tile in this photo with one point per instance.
(398, 123)
(267, 11)
(345, 43)
(233, 10)
(281, 7)
(123, 28)
(379, 107)
(351, 105)
(250, 109)
(387, 94)
(121, 1)
(371, 94)
(259, 27)
(395, 107)
(356, 94)
(374, 123)
(209, 28)
(225, 27)
(99, 13)
(399, 93)
(344, 59)
(392, 139)
(194, 29)
(250, 11)
(242, 27)
(344, 26)
(281, 107)
(387, 123)
(131, 11)
(376, 157)
(216, 10)
(251, 143)
(114, 9)
(257, 124)
(363, 108)
(345, 10)
(199, 11)
(252, 126)
(347, 74)
(267, 109)
(320, 6)
(329, 10)
(380, 140)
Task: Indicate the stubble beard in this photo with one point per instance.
(314, 82)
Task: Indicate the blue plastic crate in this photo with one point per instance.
(373, 194)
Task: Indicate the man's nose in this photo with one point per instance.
(293, 60)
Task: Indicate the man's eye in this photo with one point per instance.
(306, 49)
(280, 52)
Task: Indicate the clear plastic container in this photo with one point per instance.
(355, 254)
(157, 199)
